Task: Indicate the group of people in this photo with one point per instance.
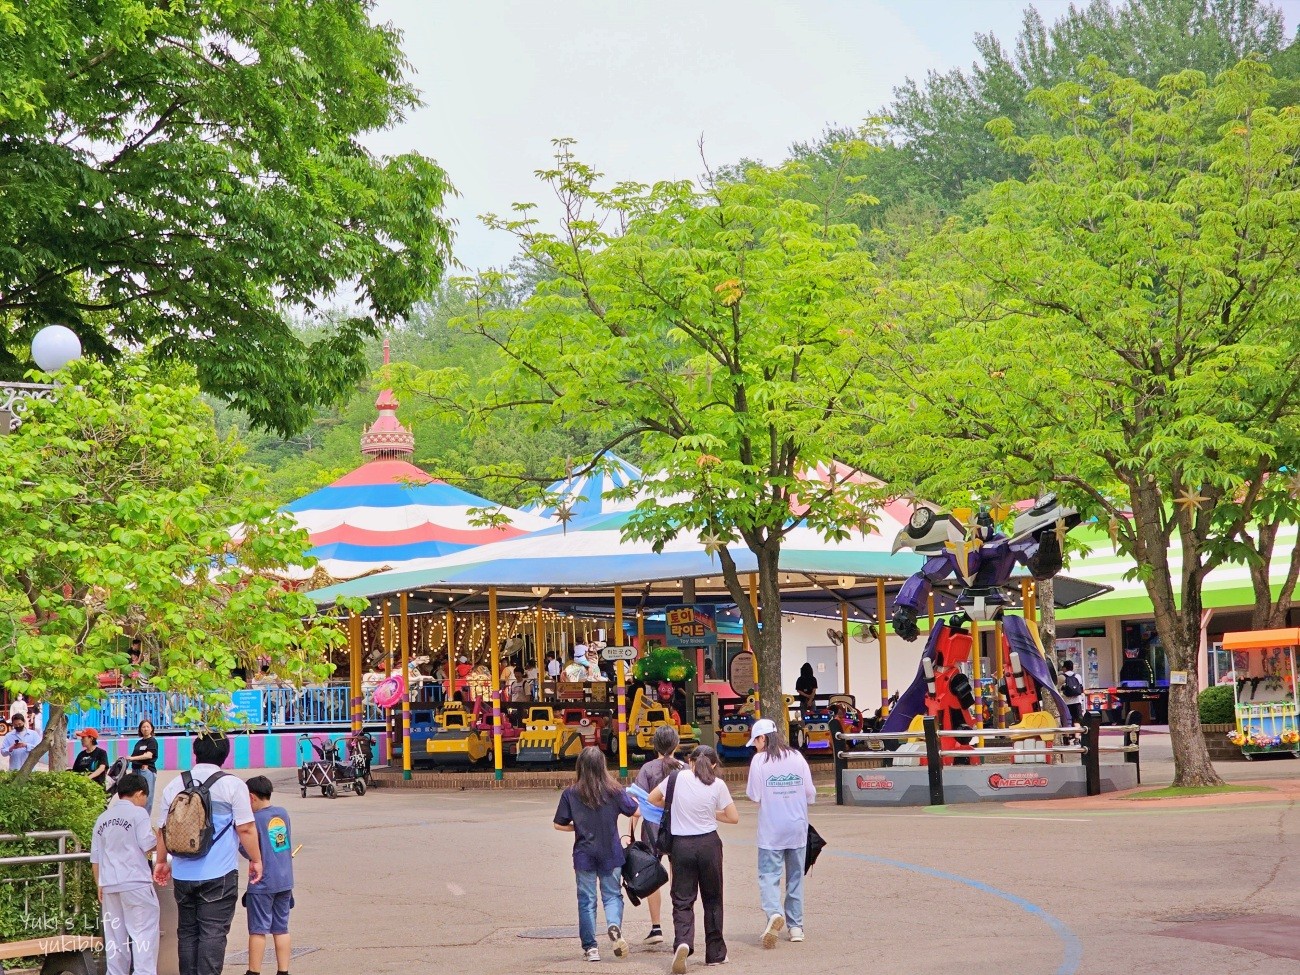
(687, 801)
(206, 886)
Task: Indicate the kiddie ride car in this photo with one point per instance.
(816, 734)
(547, 739)
(455, 741)
(643, 720)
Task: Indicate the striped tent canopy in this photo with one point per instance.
(1225, 587)
(585, 494)
(592, 554)
(389, 514)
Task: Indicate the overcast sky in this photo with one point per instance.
(638, 83)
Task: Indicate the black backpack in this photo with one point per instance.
(664, 835)
(1072, 686)
(643, 874)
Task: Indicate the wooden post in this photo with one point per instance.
(640, 631)
(355, 666)
(621, 691)
(494, 648)
(844, 641)
(882, 621)
(404, 621)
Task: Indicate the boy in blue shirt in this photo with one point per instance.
(268, 901)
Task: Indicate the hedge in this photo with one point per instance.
(1217, 705)
(47, 801)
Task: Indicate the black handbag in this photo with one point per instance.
(664, 837)
(815, 846)
(643, 874)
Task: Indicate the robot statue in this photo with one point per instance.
(982, 559)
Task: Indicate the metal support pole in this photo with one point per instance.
(1092, 757)
(837, 748)
(451, 655)
(1131, 738)
(933, 760)
(929, 609)
(404, 621)
(882, 623)
(844, 642)
(976, 666)
(620, 668)
(494, 654)
(999, 673)
(355, 665)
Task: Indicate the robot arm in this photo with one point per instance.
(915, 594)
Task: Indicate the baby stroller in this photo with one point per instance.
(114, 775)
(327, 771)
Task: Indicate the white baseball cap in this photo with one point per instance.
(763, 726)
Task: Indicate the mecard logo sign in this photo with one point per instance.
(874, 782)
(1017, 780)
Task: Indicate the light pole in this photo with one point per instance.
(52, 348)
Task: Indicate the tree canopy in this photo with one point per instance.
(117, 501)
(709, 328)
(189, 176)
(1121, 326)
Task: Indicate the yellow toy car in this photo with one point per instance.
(456, 741)
(546, 739)
(645, 717)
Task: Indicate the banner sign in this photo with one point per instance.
(691, 626)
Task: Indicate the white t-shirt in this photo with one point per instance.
(783, 790)
(230, 802)
(118, 843)
(552, 668)
(696, 805)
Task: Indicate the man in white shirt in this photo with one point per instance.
(18, 742)
(552, 666)
(120, 843)
(207, 887)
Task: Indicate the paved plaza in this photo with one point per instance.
(409, 881)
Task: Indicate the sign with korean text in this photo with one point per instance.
(691, 626)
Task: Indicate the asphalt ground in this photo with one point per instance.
(410, 881)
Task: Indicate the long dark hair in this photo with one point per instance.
(595, 785)
(704, 759)
(775, 747)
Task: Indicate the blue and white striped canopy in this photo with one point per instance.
(586, 494)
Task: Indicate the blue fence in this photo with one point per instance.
(271, 708)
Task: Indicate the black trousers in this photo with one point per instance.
(697, 868)
(204, 910)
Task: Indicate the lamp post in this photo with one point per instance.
(52, 348)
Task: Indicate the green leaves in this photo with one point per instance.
(189, 176)
(118, 505)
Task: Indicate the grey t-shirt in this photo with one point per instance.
(118, 843)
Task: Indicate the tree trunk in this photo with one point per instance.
(1180, 633)
(54, 743)
(1046, 604)
(768, 645)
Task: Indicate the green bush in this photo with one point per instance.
(664, 663)
(30, 907)
(1216, 705)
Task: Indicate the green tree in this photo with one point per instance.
(186, 175)
(1133, 303)
(706, 327)
(116, 514)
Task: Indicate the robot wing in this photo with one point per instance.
(1044, 514)
(928, 531)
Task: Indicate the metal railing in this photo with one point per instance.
(1090, 750)
(45, 895)
(316, 706)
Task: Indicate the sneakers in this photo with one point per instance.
(679, 959)
(774, 925)
(724, 961)
(620, 943)
(592, 954)
(796, 934)
(655, 937)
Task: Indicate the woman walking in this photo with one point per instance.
(590, 810)
(652, 773)
(144, 758)
(695, 801)
(781, 783)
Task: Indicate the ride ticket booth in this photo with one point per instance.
(1265, 691)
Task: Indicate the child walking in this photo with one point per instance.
(268, 901)
(120, 844)
(590, 810)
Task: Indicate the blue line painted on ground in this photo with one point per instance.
(1073, 947)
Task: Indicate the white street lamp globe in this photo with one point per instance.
(54, 347)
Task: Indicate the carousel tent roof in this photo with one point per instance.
(389, 514)
(585, 494)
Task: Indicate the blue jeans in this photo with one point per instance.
(611, 893)
(770, 864)
(150, 778)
